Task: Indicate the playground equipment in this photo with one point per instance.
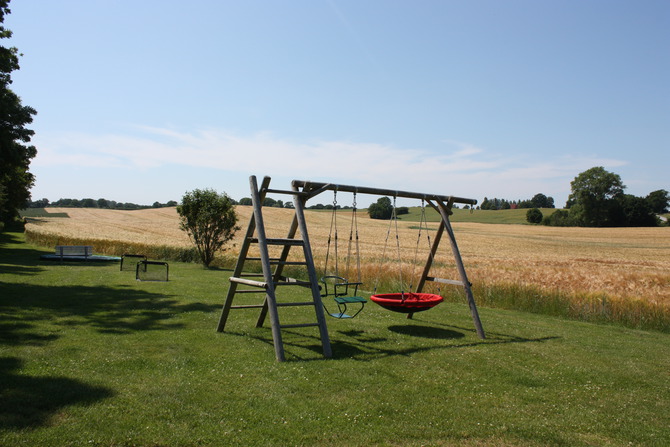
(405, 302)
(151, 271)
(129, 261)
(338, 286)
(273, 267)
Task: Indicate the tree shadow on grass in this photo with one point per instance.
(15, 259)
(30, 402)
(33, 313)
(359, 345)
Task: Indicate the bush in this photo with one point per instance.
(209, 219)
(534, 215)
(383, 209)
(560, 218)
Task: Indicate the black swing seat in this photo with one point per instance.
(340, 291)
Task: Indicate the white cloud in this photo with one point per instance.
(460, 168)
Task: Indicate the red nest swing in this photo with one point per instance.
(407, 303)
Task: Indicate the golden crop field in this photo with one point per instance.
(622, 262)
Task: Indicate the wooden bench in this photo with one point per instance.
(70, 251)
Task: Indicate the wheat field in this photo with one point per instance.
(624, 263)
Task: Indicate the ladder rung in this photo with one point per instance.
(288, 262)
(293, 283)
(247, 306)
(301, 303)
(444, 281)
(279, 241)
(286, 326)
(277, 261)
(251, 275)
(250, 291)
(248, 282)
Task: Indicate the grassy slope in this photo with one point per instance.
(90, 356)
(479, 216)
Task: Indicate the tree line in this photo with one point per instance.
(93, 203)
(597, 199)
(538, 201)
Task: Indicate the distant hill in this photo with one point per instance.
(517, 216)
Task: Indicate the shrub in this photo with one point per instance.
(534, 215)
(209, 219)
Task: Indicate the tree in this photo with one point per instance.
(246, 201)
(542, 201)
(534, 215)
(658, 201)
(636, 212)
(383, 209)
(593, 198)
(15, 153)
(210, 220)
(560, 218)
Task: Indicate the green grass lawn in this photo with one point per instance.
(89, 356)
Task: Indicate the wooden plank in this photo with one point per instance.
(248, 282)
(445, 281)
(380, 192)
(279, 241)
(267, 269)
(461, 268)
(239, 267)
(311, 272)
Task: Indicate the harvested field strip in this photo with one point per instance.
(621, 264)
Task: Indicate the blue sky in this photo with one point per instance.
(141, 101)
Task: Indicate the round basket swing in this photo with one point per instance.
(407, 302)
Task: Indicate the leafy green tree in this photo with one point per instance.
(593, 198)
(534, 215)
(15, 153)
(541, 201)
(246, 201)
(382, 209)
(210, 220)
(559, 218)
(636, 212)
(658, 201)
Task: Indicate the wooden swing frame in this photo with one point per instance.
(272, 276)
(307, 190)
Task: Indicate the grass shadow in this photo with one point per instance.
(112, 310)
(426, 331)
(31, 402)
(359, 345)
(17, 261)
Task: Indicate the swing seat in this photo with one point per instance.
(340, 292)
(407, 302)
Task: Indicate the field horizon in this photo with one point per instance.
(626, 263)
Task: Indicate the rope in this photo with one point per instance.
(422, 220)
(333, 225)
(394, 217)
(383, 258)
(354, 230)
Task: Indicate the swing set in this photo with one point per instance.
(334, 283)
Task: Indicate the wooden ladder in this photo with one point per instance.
(273, 269)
